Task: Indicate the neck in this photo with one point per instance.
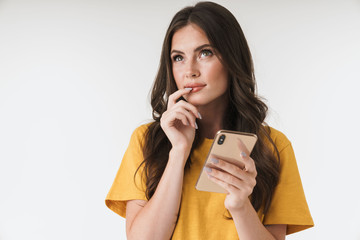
(212, 119)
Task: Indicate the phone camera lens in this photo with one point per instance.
(221, 139)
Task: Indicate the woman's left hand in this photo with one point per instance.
(238, 182)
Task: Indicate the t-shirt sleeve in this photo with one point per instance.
(125, 187)
(289, 204)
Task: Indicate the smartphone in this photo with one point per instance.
(224, 147)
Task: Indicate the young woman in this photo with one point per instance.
(206, 83)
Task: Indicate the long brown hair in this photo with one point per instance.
(245, 112)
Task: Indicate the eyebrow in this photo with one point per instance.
(196, 49)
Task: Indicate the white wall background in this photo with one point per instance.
(74, 82)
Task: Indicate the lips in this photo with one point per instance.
(195, 87)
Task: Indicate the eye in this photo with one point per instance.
(177, 58)
(206, 53)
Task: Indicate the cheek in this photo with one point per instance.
(219, 76)
(177, 76)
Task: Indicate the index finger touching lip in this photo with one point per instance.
(176, 95)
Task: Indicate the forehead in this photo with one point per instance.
(188, 38)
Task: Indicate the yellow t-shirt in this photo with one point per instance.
(202, 214)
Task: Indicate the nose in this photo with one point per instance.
(192, 70)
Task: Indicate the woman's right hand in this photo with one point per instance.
(178, 121)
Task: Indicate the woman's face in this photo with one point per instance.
(196, 65)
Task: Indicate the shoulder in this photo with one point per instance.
(279, 138)
(139, 133)
(141, 130)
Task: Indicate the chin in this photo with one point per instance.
(207, 100)
(196, 101)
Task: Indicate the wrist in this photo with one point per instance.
(178, 155)
(243, 210)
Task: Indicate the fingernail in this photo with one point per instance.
(214, 160)
(196, 126)
(207, 169)
(199, 115)
(243, 154)
(189, 88)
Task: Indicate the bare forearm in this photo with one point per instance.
(158, 217)
(249, 226)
